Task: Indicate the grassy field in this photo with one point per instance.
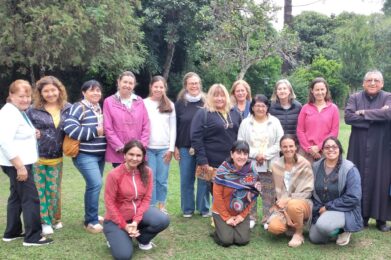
(185, 238)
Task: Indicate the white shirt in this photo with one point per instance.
(17, 137)
(163, 126)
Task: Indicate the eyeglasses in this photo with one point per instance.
(331, 147)
(374, 80)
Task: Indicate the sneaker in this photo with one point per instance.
(9, 239)
(146, 247)
(343, 239)
(206, 215)
(187, 215)
(252, 223)
(58, 225)
(94, 229)
(47, 230)
(43, 241)
(101, 219)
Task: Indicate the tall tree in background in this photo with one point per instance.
(288, 18)
(387, 7)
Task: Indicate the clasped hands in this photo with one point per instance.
(314, 151)
(234, 220)
(132, 229)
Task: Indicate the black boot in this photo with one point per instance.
(382, 226)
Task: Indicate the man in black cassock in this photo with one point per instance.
(369, 112)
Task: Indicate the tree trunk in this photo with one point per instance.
(32, 76)
(169, 57)
(288, 18)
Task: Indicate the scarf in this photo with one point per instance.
(241, 180)
(96, 109)
(191, 99)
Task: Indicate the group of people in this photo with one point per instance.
(249, 142)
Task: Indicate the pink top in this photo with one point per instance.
(314, 126)
(122, 124)
(126, 197)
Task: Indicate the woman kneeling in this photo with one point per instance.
(336, 197)
(294, 183)
(127, 198)
(234, 192)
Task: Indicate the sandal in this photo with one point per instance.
(296, 241)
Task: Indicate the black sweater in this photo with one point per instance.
(288, 117)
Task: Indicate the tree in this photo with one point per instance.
(387, 7)
(288, 18)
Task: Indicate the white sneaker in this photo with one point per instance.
(58, 226)
(101, 219)
(47, 230)
(343, 239)
(252, 223)
(187, 215)
(146, 247)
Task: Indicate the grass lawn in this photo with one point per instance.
(185, 238)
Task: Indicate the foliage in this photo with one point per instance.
(320, 67)
(387, 7)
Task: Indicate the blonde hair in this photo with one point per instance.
(181, 94)
(235, 85)
(17, 86)
(292, 94)
(213, 90)
(39, 101)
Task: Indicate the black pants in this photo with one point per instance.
(24, 200)
(226, 235)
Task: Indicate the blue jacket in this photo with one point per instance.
(349, 201)
(50, 142)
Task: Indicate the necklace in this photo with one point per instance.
(227, 123)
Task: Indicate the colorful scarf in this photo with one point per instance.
(242, 181)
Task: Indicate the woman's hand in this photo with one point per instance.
(21, 173)
(37, 134)
(132, 229)
(100, 130)
(322, 210)
(260, 158)
(231, 221)
(238, 219)
(177, 154)
(167, 157)
(258, 186)
(281, 203)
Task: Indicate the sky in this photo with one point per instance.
(329, 7)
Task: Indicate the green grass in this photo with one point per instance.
(185, 238)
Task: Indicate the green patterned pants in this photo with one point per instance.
(48, 182)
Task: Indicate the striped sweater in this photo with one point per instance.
(81, 124)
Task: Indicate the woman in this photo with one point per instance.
(84, 123)
(318, 119)
(48, 115)
(284, 106)
(214, 129)
(18, 152)
(128, 193)
(125, 118)
(336, 197)
(161, 112)
(190, 100)
(241, 97)
(234, 191)
(294, 182)
(262, 132)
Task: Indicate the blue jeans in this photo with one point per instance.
(187, 165)
(160, 175)
(91, 168)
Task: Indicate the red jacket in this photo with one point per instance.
(126, 197)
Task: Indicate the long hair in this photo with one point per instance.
(235, 85)
(311, 97)
(165, 103)
(39, 101)
(294, 139)
(142, 167)
(340, 158)
(292, 94)
(213, 91)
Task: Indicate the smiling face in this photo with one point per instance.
(134, 157)
(193, 86)
(219, 100)
(157, 90)
(21, 99)
(239, 158)
(240, 93)
(50, 93)
(288, 148)
(283, 91)
(260, 110)
(373, 83)
(319, 91)
(126, 86)
(331, 150)
(93, 95)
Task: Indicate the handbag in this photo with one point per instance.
(207, 175)
(70, 146)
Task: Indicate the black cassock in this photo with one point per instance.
(369, 150)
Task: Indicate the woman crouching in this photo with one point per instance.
(336, 197)
(294, 183)
(235, 189)
(128, 195)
